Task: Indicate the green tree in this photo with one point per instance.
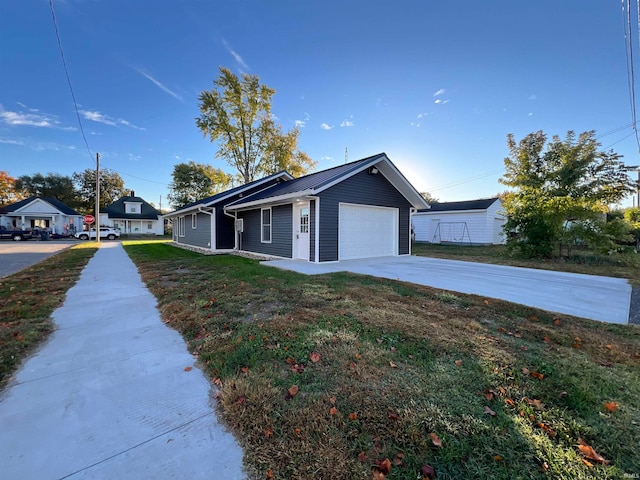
(8, 192)
(237, 114)
(193, 181)
(111, 188)
(429, 198)
(560, 189)
(51, 185)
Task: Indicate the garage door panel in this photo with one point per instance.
(367, 231)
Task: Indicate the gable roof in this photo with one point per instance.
(219, 197)
(117, 209)
(480, 204)
(315, 183)
(54, 202)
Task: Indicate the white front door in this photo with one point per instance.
(301, 231)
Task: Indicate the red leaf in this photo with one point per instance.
(269, 474)
(537, 375)
(398, 459)
(384, 466)
(333, 411)
(293, 390)
(488, 411)
(315, 357)
(393, 416)
(458, 363)
(435, 439)
(268, 432)
(362, 457)
(188, 369)
(353, 416)
(611, 406)
(245, 370)
(427, 471)
(588, 452)
(241, 399)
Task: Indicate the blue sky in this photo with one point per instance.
(437, 85)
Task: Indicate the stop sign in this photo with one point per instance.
(89, 219)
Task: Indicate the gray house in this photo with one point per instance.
(205, 224)
(357, 210)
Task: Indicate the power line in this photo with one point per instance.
(626, 25)
(66, 71)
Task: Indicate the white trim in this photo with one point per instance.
(262, 225)
(181, 229)
(214, 238)
(270, 200)
(194, 221)
(316, 245)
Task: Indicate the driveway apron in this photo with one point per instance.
(109, 395)
(598, 298)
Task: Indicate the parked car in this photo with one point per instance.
(15, 234)
(105, 232)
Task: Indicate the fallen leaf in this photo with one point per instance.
(486, 302)
(588, 452)
(611, 406)
(362, 457)
(378, 475)
(357, 356)
(393, 416)
(398, 459)
(315, 357)
(353, 416)
(488, 411)
(333, 411)
(537, 375)
(545, 467)
(525, 371)
(427, 471)
(268, 432)
(563, 394)
(557, 322)
(217, 381)
(502, 330)
(509, 402)
(547, 429)
(384, 466)
(497, 458)
(458, 363)
(609, 346)
(587, 462)
(392, 365)
(296, 431)
(332, 399)
(435, 439)
(290, 360)
(546, 340)
(188, 369)
(393, 349)
(524, 348)
(240, 400)
(537, 404)
(532, 417)
(489, 395)
(245, 370)
(293, 390)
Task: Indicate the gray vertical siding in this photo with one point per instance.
(281, 231)
(199, 236)
(225, 230)
(363, 189)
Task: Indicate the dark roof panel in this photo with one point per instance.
(312, 181)
(117, 209)
(480, 204)
(54, 202)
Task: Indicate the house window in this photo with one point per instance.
(181, 226)
(265, 216)
(149, 225)
(194, 220)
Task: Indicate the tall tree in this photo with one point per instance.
(50, 185)
(8, 191)
(111, 188)
(193, 181)
(237, 114)
(283, 154)
(429, 198)
(559, 190)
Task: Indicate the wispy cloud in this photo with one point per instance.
(346, 123)
(159, 85)
(11, 141)
(422, 115)
(439, 92)
(99, 117)
(326, 126)
(532, 97)
(530, 114)
(300, 123)
(330, 159)
(415, 124)
(41, 120)
(235, 55)
(441, 102)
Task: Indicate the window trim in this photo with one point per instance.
(194, 221)
(181, 226)
(263, 225)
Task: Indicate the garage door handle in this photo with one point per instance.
(297, 236)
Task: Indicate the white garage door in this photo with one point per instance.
(366, 231)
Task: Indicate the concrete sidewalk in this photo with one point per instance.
(108, 397)
(598, 298)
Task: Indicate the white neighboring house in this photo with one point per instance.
(41, 213)
(470, 222)
(133, 215)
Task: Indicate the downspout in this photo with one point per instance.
(412, 211)
(235, 217)
(316, 243)
(212, 229)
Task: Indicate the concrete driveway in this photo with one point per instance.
(598, 298)
(16, 256)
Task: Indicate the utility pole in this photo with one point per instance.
(346, 155)
(98, 197)
(638, 189)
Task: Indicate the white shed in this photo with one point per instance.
(471, 222)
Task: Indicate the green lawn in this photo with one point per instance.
(329, 376)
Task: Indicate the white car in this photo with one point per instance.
(105, 232)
